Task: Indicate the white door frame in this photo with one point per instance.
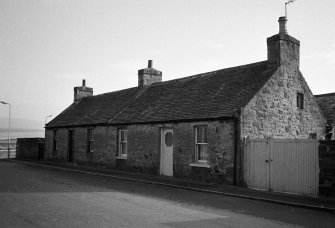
(162, 151)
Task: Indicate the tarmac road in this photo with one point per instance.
(34, 196)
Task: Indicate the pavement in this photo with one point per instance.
(326, 204)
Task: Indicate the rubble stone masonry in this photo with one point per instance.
(144, 149)
(273, 112)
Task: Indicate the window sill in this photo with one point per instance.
(122, 157)
(202, 165)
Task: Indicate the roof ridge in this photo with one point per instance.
(183, 78)
(213, 94)
(107, 93)
(208, 73)
(324, 95)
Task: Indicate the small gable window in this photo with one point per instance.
(122, 152)
(300, 100)
(201, 144)
(90, 140)
(313, 136)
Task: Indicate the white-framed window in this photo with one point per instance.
(90, 140)
(201, 144)
(123, 146)
(55, 141)
(300, 100)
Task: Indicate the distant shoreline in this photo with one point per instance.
(21, 134)
(4, 130)
(6, 140)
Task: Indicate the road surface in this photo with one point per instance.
(34, 196)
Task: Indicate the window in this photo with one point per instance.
(201, 143)
(90, 140)
(122, 143)
(313, 136)
(55, 141)
(300, 100)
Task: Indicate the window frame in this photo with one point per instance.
(300, 100)
(122, 144)
(90, 140)
(197, 144)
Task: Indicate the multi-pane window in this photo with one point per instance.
(300, 100)
(122, 143)
(201, 143)
(55, 140)
(90, 140)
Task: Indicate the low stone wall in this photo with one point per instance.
(30, 148)
(327, 167)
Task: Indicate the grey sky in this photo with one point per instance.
(48, 46)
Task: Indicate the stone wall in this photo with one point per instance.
(221, 149)
(29, 148)
(104, 150)
(62, 145)
(144, 149)
(48, 144)
(273, 112)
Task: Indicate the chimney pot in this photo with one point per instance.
(282, 25)
(149, 63)
(84, 82)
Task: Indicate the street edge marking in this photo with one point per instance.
(307, 206)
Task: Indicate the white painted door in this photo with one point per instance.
(257, 164)
(167, 152)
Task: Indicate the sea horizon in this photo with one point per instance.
(25, 134)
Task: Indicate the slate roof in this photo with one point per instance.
(327, 104)
(214, 94)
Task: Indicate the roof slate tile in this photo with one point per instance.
(214, 94)
(327, 104)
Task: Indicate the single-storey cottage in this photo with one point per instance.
(190, 127)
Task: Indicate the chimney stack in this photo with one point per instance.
(82, 91)
(283, 49)
(149, 75)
